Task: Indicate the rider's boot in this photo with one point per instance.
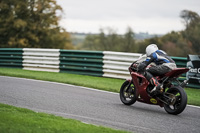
(157, 86)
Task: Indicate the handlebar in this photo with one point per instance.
(133, 67)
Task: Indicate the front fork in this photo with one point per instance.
(129, 89)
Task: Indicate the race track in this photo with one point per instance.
(95, 107)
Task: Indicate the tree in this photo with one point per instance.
(102, 41)
(113, 40)
(31, 23)
(110, 41)
(91, 42)
(129, 41)
(192, 31)
(190, 18)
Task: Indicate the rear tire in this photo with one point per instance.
(128, 95)
(180, 103)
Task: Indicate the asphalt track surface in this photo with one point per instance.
(95, 107)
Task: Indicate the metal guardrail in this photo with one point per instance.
(116, 64)
(81, 62)
(180, 61)
(41, 59)
(11, 57)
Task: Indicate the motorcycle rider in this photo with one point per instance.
(163, 65)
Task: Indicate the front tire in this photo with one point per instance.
(128, 93)
(178, 93)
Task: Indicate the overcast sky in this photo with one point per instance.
(152, 16)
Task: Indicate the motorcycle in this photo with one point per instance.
(173, 97)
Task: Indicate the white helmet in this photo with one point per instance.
(151, 48)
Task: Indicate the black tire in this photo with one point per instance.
(180, 103)
(128, 97)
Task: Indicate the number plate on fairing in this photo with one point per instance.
(154, 101)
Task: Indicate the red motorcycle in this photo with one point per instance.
(173, 98)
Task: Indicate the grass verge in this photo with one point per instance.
(20, 120)
(108, 84)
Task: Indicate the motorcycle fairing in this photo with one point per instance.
(142, 96)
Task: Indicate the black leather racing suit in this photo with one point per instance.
(163, 63)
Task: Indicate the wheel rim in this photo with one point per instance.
(128, 93)
(176, 100)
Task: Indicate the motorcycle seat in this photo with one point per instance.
(176, 72)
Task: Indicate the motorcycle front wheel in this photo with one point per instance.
(179, 96)
(128, 93)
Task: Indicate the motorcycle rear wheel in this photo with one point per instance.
(128, 94)
(180, 103)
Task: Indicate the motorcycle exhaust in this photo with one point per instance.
(184, 83)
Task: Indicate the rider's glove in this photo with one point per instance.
(141, 67)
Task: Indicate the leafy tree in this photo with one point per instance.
(174, 44)
(110, 41)
(102, 41)
(129, 41)
(91, 42)
(31, 23)
(192, 31)
(190, 18)
(113, 40)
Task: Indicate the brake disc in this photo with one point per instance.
(126, 95)
(172, 99)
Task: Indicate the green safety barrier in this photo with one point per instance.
(11, 57)
(81, 62)
(180, 61)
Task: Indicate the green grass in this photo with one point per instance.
(193, 96)
(102, 83)
(20, 120)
